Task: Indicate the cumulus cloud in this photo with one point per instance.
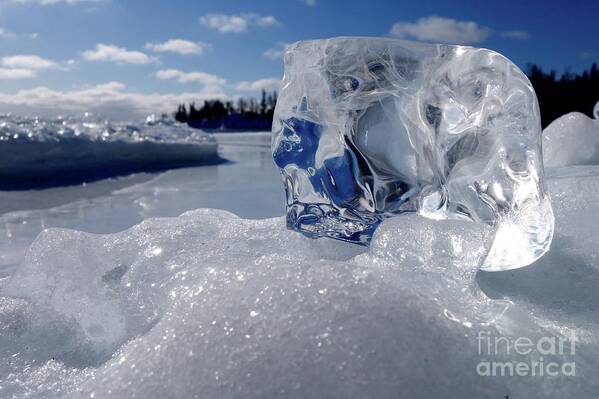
(237, 23)
(5, 34)
(109, 99)
(180, 46)
(119, 55)
(188, 77)
(587, 55)
(260, 84)
(276, 53)
(31, 62)
(515, 34)
(265, 22)
(24, 66)
(440, 29)
(15, 74)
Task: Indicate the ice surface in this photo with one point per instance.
(39, 153)
(572, 139)
(369, 128)
(211, 305)
(113, 205)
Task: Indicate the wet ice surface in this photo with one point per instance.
(211, 305)
(113, 205)
(370, 128)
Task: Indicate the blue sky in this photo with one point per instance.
(125, 58)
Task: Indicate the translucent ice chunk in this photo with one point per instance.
(368, 128)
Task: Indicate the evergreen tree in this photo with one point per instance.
(568, 93)
(214, 114)
(263, 103)
(181, 114)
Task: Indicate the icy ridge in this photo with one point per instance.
(37, 152)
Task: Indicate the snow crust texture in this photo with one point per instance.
(572, 139)
(369, 128)
(210, 305)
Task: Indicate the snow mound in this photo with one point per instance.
(37, 153)
(211, 305)
(572, 139)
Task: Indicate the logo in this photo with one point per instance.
(539, 357)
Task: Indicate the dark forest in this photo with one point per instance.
(557, 96)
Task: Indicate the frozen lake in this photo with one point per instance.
(208, 304)
(248, 185)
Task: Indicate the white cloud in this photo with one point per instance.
(276, 53)
(440, 29)
(257, 85)
(110, 86)
(109, 99)
(53, 2)
(237, 23)
(6, 34)
(188, 77)
(265, 22)
(515, 34)
(31, 62)
(587, 55)
(225, 23)
(120, 55)
(24, 66)
(179, 46)
(14, 74)
(310, 2)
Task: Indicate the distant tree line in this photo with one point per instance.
(567, 93)
(557, 96)
(246, 114)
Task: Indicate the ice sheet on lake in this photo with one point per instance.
(211, 305)
(113, 205)
(572, 139)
